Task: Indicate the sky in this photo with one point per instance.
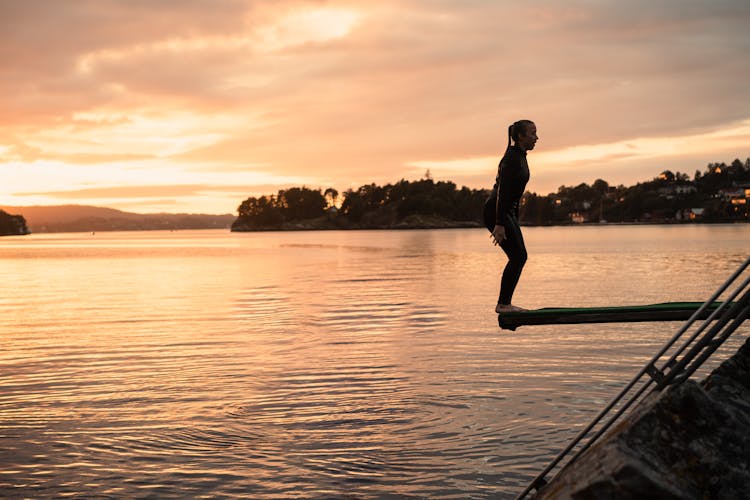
(195, 105)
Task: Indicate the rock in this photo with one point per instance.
(690, 441)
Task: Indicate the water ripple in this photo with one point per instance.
(313, 365)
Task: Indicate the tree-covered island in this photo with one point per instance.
(720, 193)
(12, 224)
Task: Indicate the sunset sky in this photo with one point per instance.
(192, 106)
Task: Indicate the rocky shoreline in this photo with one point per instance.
(690, 441)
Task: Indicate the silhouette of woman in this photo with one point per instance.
(502, 208)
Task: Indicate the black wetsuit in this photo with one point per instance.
(501, 208)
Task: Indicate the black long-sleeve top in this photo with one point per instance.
(510, 183)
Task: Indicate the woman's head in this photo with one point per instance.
(523, 133)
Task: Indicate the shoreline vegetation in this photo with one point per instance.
(719, 194)
(12, 225)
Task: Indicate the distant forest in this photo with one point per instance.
(720, 193)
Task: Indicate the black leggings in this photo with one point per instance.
(512, 245)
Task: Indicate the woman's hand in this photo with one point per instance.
(498, 235)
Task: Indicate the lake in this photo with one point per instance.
(339, 364)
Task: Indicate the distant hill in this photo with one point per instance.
(84, 218)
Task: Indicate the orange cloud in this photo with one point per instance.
(344, 93)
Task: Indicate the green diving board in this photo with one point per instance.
(668, 311)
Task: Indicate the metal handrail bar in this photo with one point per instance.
(700, 310)
(706, 339)
(703, 350)
(736, 322)
(627, 404)
(724, 305)
(539, 480)
(661, 384)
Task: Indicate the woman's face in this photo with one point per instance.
(527, 140)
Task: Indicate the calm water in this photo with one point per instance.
(361, 364)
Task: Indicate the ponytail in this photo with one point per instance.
(510, 134)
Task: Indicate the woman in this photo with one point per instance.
(501, 209)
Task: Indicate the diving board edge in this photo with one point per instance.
(626, 314)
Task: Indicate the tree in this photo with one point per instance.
(12, 224)
(331, 195)
(385, 206)
(301, 203)
(667, 175)
(600, 186)
(259, 212)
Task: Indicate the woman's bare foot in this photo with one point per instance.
(506, 308)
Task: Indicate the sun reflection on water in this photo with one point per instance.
(318, 364)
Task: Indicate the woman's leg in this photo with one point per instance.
(514, 248)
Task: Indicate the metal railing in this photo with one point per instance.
(708, 336)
